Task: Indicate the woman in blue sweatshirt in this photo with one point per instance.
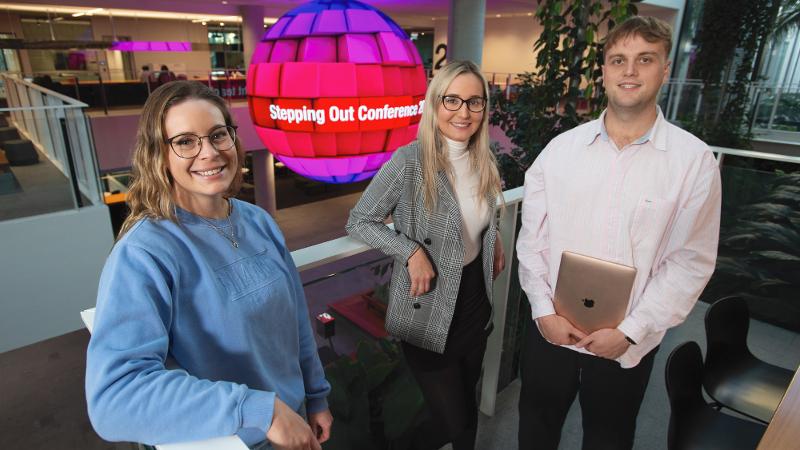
(201, 328)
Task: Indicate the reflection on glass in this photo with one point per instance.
(759, 249)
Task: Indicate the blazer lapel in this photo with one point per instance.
(446, 193)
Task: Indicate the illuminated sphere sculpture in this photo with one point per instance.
(334, 87)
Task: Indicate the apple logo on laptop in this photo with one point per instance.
(587, 302)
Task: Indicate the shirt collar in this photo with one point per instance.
(655, 134)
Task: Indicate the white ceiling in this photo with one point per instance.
(406, 12)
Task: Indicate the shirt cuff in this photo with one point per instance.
(315, 405)
(630, 328)
(542, 307)
(257, 410)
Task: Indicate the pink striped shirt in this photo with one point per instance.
(654, 205)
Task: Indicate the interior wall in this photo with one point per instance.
(49, 272)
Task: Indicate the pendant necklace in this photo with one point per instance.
(230, 237)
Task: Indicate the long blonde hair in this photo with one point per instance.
(150, 195)
(434, 147)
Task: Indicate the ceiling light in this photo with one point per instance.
(203, 23)
(133, 13)
(530, 14)
(222, 24)
(498, 16)
(87, 13)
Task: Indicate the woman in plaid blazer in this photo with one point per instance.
(441, 192)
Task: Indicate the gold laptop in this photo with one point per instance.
(592, 293)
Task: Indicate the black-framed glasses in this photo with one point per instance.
(454, 102)
(188, 145)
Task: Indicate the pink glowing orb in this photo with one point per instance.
(334, 87)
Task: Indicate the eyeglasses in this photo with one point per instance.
(188, 146)
(454, 102)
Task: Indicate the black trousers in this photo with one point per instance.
(609, 395)
(448, 380)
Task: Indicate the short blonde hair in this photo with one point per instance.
(651, 29)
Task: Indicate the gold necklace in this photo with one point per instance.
(232, 236)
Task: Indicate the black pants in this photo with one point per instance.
(609, 395)
(448, 380)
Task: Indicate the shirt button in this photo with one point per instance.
(417, 306)
(427, 241)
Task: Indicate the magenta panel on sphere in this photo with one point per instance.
(299, 80)
(335, 87)
(393, 50)
(338, 80)
(359, 48)
(317, 49)
(284, 50)
(365, 21)
(330, 22)
(277, 28)
(300, 26)
(268, 76)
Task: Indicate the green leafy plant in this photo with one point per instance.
(565, 89)
(731, 41)
(374, 398)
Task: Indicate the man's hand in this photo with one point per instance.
(557, 330)
(609, 343)
(499, 258)
(289, 431)
(421, 273)
(321, 424)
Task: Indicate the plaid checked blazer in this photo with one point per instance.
(397, 191)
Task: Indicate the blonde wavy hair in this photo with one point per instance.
(434, 147)
(150, 195)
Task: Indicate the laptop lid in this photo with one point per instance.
(592, 293)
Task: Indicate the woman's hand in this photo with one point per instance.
(321, 424)
(421, 272)
(499, 257)
(289, 431)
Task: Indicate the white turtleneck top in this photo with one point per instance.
(466, 187)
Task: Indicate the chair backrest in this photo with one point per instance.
(684, 377)
(727, 322)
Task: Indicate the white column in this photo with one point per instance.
(263, 161)
(264, 179)
(465, 30)
(252, 29)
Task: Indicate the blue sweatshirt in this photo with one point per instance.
(234, 320)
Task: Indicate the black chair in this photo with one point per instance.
(693, 423)
(734, 378)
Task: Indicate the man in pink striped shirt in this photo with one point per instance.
(630, 188)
